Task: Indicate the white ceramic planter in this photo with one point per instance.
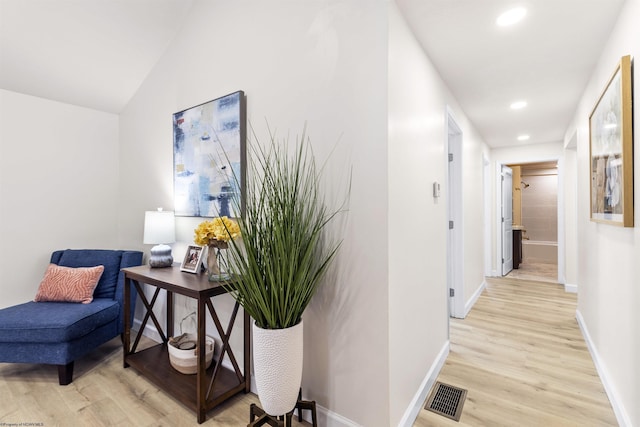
(277, 361)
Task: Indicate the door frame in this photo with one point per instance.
(455, 236)
(486, 187)
(504, 240)
(498, 214)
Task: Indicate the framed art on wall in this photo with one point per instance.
(611, 150)
(209, 157)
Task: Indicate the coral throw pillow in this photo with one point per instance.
(67, 284)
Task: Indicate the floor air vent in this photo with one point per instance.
(446, 400)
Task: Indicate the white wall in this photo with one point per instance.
(608, 273)
(323, 62)
(417, 233)
(58, 187)
(474, 148)
(418, 325)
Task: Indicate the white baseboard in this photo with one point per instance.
(618, 408)
(420, 398)
(573, 289)
(329, 419)
(325, 416)
(474, 298)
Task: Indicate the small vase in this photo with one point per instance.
(216, 266)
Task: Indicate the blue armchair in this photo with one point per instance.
(58, 333)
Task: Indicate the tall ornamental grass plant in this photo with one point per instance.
(284, 252)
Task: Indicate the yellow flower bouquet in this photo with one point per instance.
(216, 234)
(218, 230)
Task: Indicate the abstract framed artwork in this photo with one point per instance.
(611, 150)
(209, 157)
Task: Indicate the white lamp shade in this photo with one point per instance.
(159, 227)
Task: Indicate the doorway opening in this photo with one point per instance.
(535, 221)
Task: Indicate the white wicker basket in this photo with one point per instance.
(185, 361)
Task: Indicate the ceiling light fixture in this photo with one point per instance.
(523, 137)
(518, 105)
(511, 16)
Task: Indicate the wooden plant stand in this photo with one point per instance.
(282, 421)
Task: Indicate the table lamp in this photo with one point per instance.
(160, 229)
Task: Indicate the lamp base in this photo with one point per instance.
(161, 256)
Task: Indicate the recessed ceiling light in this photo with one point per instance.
(518, 105)
(511, 16)
(523, 137)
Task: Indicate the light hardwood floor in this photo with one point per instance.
(522, 358)
(538, 271)
(102, 394)
(519, 354)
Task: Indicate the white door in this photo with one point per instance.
(507, 220)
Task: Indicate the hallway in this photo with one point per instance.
(521, 357)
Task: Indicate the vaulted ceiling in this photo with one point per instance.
(92, 53)
(96, 53)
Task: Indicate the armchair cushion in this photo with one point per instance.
(90, 258)
(55, 322)
(68, 284)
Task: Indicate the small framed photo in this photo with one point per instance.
(192, 259)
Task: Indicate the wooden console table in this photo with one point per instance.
(207, 388)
